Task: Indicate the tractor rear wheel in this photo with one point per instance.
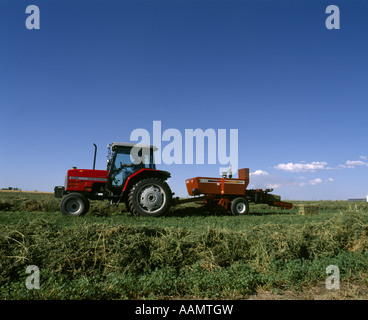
(127, 206)
(239, 206)
(74, 204)
(150, 197)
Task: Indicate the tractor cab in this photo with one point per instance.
(125, 159)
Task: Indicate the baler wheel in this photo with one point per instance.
(239, 206)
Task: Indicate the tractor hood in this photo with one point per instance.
(80, 179)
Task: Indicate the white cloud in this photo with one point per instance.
(314, 166)
(261, 179)
(315, 181)
(301, 167)
(319, 180)
(344, 166)
(353, 163)
(273, 186)
(259, 173)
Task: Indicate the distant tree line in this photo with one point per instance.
(11, 188)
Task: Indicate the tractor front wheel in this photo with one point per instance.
(74, 204)
(150, 197)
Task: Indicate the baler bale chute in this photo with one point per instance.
(230, 193)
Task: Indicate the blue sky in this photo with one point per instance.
(97, 70)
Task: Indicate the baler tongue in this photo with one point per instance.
(272, 199)
(282, 204)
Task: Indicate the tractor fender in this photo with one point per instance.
(143, 174)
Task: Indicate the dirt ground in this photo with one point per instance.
(347, 291)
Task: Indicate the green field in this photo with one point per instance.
(188, 254)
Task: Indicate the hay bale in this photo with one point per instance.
(308, 209)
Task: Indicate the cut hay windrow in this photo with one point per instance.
(202, 255)
(142, 261)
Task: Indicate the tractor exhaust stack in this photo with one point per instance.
(94, 159)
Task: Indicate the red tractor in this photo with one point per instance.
(131, 177)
